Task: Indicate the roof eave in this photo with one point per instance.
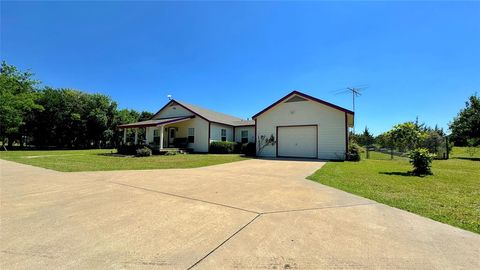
(295, 92)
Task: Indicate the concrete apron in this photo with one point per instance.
(248, 214)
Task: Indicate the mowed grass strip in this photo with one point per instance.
(451, 195)
(103, 160)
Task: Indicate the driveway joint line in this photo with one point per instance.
(316, 208)
(185, 197)
(225, 241)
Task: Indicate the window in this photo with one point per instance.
(156, 136)
(244, 136)
(191, 135)
(224, 135)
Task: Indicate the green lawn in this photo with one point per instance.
(451, 195)
(102, 160)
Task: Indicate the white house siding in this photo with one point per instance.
(200, 125)
(330, 121)
(173, 110)
(251, 133)
(216, 134)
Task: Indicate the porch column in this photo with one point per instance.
(162, 127)
(124, 135)
(136, 135)
(146, 135)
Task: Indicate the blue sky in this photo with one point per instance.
(418, 59)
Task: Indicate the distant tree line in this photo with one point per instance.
(465, 131)
(406, 137)
(57, 117)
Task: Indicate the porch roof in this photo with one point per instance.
(157, 122)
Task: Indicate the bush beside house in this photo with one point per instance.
(222, 147)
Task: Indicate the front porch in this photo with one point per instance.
(163, 135)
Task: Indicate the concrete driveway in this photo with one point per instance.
(259, 214)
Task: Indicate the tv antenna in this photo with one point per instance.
(169, 97)
(356, 92)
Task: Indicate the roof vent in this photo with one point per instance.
(295, 99)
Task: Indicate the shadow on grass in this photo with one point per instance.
(113, 155)
(403, 174)
(468, 158)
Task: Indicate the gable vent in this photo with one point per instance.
(296, 99)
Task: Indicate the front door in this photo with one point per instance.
(171, 136)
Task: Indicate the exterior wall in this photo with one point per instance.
(330, 121)
(149, 134)
(174, 110)
(216, 133)
(201, 133)
(251, 133)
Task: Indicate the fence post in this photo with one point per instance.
(446, 145)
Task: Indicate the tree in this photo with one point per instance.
(264, 141)
(465, 126)
(58, 117)
(384, 140)
(124, 116)
(366, 138)
(18, 96)
(406, 136)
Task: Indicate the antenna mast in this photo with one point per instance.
(355, 91)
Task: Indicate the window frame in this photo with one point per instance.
(244, 139)
(223, 138)
(191, 138)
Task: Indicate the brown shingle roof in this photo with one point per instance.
(213, 116)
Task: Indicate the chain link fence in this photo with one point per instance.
(440, 148)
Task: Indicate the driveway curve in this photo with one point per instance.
(253, 214)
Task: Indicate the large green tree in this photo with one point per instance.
(18, 96)
(366, 138)
(72, 118)
(465, 126)
(407, 136)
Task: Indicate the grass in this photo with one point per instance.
(451, 195)
(103, 160)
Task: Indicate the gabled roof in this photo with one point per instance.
(209, 115)
(156, 122)
(295, 92)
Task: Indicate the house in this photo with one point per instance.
(300, 125)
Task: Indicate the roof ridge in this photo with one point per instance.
(189, 105)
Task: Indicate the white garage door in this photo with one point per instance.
(300, 141)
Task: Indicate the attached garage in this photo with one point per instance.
(303, 127)
(297, 141)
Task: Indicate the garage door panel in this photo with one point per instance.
(297, 141)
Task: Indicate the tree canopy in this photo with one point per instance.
(50, 117)
(18, 97)
(465, 126)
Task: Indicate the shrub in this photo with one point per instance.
(127, 149)
(353, 153)
(222, 147)
(237, 149)
(144, 152)
(249, 149)
(421, 160)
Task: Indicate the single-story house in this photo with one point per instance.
(297, 125)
